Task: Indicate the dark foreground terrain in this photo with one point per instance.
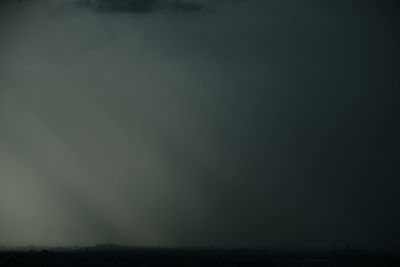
(117, 256)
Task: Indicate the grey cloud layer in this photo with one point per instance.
(268, 124)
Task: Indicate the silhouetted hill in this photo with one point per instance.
(113, 255)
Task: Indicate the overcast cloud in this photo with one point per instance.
(260, 123)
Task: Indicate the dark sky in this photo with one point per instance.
(265, 123)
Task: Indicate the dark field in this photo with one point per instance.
(115, 256)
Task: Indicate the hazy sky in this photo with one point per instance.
(270, 123)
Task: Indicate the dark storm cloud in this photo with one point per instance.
(142, 6)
